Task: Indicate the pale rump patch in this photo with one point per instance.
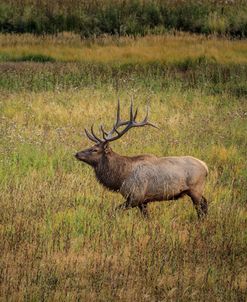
(202, 162)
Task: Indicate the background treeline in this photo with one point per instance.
(124, 17)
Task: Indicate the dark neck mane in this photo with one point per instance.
(112, 170)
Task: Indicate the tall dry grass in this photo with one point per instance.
(59, 236)
(166, 48)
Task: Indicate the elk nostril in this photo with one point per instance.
(76, 155)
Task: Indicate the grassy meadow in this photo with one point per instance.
(60, 239)
(68, 47)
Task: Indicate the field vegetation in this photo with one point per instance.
(166, 49)
(216, 65)
(124, 17)
(60, 238)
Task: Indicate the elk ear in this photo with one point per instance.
(106, 147)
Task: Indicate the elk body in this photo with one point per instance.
(144, 178)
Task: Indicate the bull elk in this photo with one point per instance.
(144, 178)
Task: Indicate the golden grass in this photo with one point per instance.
(166, 48)
(60, 237)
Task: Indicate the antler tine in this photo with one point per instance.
(118, 122)
(93, 134)
(131, 123)
(104, 132)
(131, 110)
(135, 115)
(146, 122)
(118, 112)
(109, 136)
(90, 136)
(151, 124)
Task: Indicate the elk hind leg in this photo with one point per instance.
(204, 205)
(200, 204)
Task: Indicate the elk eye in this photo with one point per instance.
(94, 150)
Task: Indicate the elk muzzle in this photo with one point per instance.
(81, 155)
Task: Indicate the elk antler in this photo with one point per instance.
(109, 136)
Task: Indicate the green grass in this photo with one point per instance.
(34, 58)
(189, 74)
(60, 238)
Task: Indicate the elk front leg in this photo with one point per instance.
(144, 210)
(125, 205)
(130, 204)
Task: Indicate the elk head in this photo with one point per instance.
(94, 154)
